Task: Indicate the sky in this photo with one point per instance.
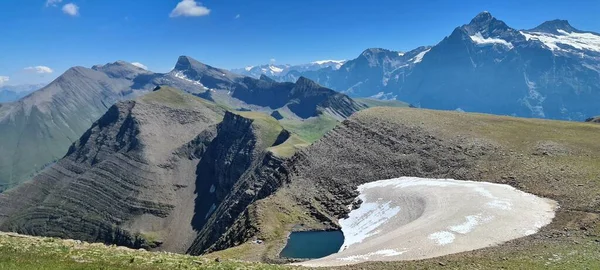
(40, 39)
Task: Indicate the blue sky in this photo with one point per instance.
(56, 35)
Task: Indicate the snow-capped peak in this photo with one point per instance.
(322, 62)
(248, 68)
(275, 69)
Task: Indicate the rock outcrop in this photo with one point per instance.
(156, 172)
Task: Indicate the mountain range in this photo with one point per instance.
(38, 129)
(276, 71)
(551, 71)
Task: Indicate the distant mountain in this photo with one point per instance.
(10, 93)
(550, 71)
(38, 129)
(303, 99)
(279, 72)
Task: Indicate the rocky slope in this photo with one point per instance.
(39, 128)
(545, 158)
(154, 172)
(552, 159)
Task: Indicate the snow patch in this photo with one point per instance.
(383, 253)
(364, 221)
(275, 69)
(419, 57)
(480, 40)
(500, 204)
(181, 75)
(322, 62)
(212, 189)
(442, 238)
(470, 223)
(579, 41)
(248, 68)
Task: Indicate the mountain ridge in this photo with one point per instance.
(549, 71)
(52, 118)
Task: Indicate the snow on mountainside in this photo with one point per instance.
(275, 71)
(550, 71)
(479, 39)
(564, 41)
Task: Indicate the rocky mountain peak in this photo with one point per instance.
(482, 17)
(373, 51)
(266, 78)
(553, 26)
(486, 25)
(305, 82)
(120, 69)
(186, 62)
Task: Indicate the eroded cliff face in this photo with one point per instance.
(168, 171)
(116, 184)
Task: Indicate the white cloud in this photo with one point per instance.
(52, 2)
(140, 65)
(237, 16)
(71, 9)
(273, 60)
(189, 8)
(4, 79)
(39, 69)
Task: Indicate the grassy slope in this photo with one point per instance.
(268, 127)
(289, 147)
(40, 253)
(174, 97)
(314, 128)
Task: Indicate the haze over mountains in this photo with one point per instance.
(9, 93)
(550, 71)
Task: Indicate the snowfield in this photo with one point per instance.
(419, 57)
(579, 41)
(412, 218)
(480, 40)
